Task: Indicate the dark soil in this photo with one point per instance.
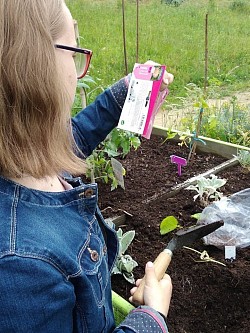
(207, 297)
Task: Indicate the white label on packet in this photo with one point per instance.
(135, 110)
(141, 99)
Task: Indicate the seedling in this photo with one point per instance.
(117, 143)
(185, 139)
(169, 135)
(125, 264)
(207, 189)
(168, 224)
(196, 216)
(243, 157)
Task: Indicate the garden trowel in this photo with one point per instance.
(183, 237)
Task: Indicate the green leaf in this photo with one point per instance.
(117, 143)
(170, 135)
(126, 240)
(168, 224)
(135, 142)
(125, 147)
(114, 184)
(83, 85)
(125, 263)
(119, 233)
(204, 104)
(128, 264)
(89, 79)
(112, 153)
(196, 216)
(116, 270)
(129, 277)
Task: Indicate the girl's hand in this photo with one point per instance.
(156, 294)
(168, 78)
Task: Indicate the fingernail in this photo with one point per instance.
(166, 81)
(150, 264)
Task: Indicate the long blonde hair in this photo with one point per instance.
(35, 131)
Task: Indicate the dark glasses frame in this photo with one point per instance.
(87, 52)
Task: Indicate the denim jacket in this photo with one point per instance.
(57, 252)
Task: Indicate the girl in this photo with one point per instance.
(56, 251)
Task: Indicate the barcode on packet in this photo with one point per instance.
(142, 121)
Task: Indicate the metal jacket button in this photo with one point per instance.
(104, 249)
(93, 254)
(88, 193)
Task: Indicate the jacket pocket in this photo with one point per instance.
(94, 266)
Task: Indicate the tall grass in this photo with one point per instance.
(169, 35)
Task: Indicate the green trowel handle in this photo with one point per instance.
(161, 264)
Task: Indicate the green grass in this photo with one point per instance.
(169, 35)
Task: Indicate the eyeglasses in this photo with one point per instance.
(82, 58)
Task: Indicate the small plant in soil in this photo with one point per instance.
(208, 189)
(125, 264)
(117, 143)
(227, 122)
(243, 157)
(168, 224)
(85, 88)
(185, 139)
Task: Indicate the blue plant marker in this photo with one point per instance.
(196, 139)
(180, 161)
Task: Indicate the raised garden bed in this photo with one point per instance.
(207, 297)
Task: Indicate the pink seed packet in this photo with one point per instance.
(143, 100)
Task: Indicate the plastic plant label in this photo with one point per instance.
(230, 252)
(118, 171)
(143, 99)
(179, 161)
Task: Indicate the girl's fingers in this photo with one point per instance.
(133, 290)
(137, 283)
